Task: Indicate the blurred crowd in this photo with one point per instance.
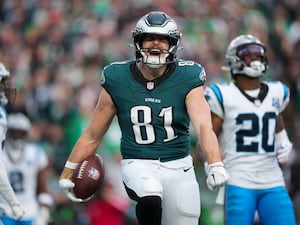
(55, 51)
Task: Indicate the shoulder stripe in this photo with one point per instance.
(285, 91)
(218, 94)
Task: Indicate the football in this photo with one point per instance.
(88, 176)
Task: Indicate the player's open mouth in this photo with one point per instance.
(155, 51)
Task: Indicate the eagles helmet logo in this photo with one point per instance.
(102, 78)
(202, 75)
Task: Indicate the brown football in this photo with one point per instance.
(88, 176)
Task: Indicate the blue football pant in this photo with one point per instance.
(273, 205)
(9, 221)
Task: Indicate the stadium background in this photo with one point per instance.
(55, 50)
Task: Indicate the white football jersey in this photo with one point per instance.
(3, 125)
(248, 132)
(22, 175)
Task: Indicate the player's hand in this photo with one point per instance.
(283, 150)
(17, 212)
(216, 176)
(67, 187)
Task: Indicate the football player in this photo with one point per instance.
(154, 98)
(26, 164)
(247, 117)
(6, 93)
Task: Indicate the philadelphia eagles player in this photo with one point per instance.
(247, 117)
(154, 98)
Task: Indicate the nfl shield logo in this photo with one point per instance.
(94, 173)
(275, 103)
(150, 85)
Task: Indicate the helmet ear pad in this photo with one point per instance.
(237, 65)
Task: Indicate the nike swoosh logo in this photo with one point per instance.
(186, 169)
(213, 176)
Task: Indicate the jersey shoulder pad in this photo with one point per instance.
(113, 70)
(191, 69)
(3, 115)
(214, 97)
(280, 93)
(278, 85)
(217, 89)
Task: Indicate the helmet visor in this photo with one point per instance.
(251, 50)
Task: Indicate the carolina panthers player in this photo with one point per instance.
(154, 98)
(16, 211)
(26, 164)
(247, 117)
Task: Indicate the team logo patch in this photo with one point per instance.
(94, 173)
(102, 79)
(202, 75)
(150, 85)
(275, 103)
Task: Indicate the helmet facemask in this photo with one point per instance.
(7, 94)
(15, 142)
(17, 134)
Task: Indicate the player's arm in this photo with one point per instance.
(89, 140)
(199, 113)
(280, 123)
(5, 188)
(8, 193)
(44, 198)
(216, 123)
(283, 145)
(200, 116)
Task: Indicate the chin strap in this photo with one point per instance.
(255, 69)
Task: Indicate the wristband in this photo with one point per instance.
(71, 165)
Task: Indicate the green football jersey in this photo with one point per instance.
(152, 114)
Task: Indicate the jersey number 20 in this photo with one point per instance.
(265, 128)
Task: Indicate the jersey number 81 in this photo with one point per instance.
(141, 118)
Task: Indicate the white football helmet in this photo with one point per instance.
(157, 23)
(245, 45)
(18, 121)
(6, 93)
(18, 127)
